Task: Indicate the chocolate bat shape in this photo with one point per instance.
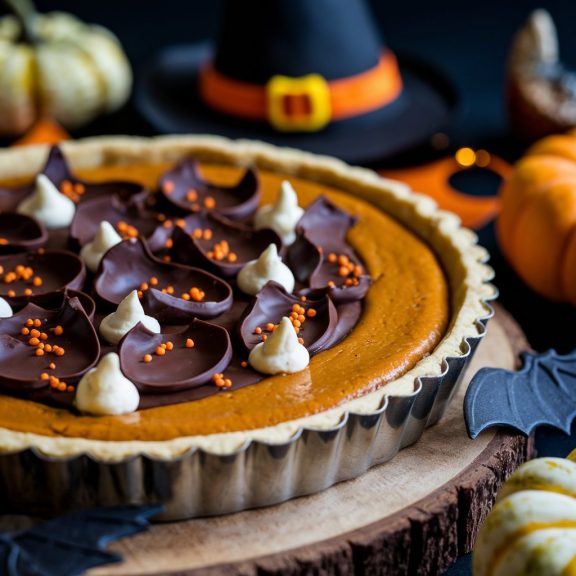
(72, 544)
(543, 391)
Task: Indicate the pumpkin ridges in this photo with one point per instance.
(561, 146)
(540, 236)
(17, 111)
(530, 176)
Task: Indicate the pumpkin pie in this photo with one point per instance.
(424, 299)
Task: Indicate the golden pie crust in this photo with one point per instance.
(347, 378)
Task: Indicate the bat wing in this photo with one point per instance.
(542, 392)
(74, 543)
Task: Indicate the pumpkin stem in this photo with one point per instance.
(26, 13)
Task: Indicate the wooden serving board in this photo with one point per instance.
(413, 515)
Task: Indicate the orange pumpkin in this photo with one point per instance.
(537, 222)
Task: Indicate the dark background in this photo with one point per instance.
(466, 39)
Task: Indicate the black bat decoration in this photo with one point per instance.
(543, 391)
(71, 544)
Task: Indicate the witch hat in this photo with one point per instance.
(311, 74)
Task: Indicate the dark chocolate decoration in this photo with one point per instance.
(56, 269)
(128, 264)
(236, 202)
(114, 210)
(55, 300)
(58, 172)
(20, 367)
(542, 392)
(244, 243)
(315, 255)
(180, 368)
(19, 232)
(71, 544)
(273, 302)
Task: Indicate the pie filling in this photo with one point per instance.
(370, 301)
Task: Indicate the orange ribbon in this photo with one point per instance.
(346, 97)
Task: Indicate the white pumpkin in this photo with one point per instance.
(532, 528)
(55, 65)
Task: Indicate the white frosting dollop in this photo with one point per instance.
(48, 205)
(268, 266)
(129, 312)
(282, 216)
(280, 352)
(104, 390)
(105, 238)
(5, 309)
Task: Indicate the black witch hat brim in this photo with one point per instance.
(168, 97)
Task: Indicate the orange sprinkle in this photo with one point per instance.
(52, 366)
(153, 281)
(185, 296)
(301, 318)
(47, 348)
(181, 223)
(58, 330)
(264, 337)
(207, 234)
(37, 323)
(139, 293)
(169, 345)
(167, 224)
(169, 243)
(39, 352)
(58, 350)
(343, 271)
(11, 294)
(209, 202)
(3, 241)
(302, 298)
(168, 186)
(54, 380)
(189, 343)
(37, 281)
(27, 292)
(29, 322)
(332, 258)
(66, 187)
(269, 326)
(300, 340)
(170, 289)
(144, 286)
(25, 331)
(44, 376)
(311, 313)
(243, 363)
(62, 387)
(232, 257)
(160, 351)
(79, 188)
(330, 284)
(33, 342)
(34, 333)
(296, 323)
(41, 251)
(147, 358)
(166, 259)
(191, 195)
(258, 330)
(357, 271)
(197, 233)
(70, 389)
(343, 260)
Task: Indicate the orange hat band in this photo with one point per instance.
(307, 103)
